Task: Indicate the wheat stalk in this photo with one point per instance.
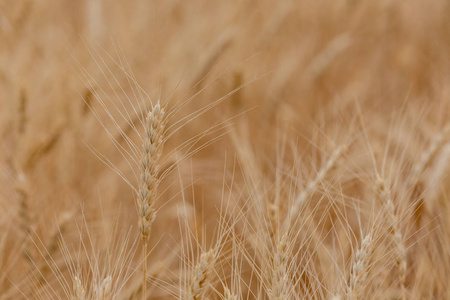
(152, 148)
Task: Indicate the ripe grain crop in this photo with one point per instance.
(224, 150)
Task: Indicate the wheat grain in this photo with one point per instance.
(152, 148)
(150, 166)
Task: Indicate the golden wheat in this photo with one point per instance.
(235, 160)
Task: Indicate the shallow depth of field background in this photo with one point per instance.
(299, 79)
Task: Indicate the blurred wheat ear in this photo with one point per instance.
(359, 269)
(79, 292)
(395, 235)
(201, 275)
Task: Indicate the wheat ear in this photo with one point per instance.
(52, 247)
(152, 148)
(279, 285)
(78, 290)
(359, 269)
(201, 275)
(395, 235)
(312, 185)
(280, 277)
(24, 214)
(426, 158)
(228, 295)
(103, 290)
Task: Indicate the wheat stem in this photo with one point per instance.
(144, 272)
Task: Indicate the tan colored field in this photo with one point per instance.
(224, 149)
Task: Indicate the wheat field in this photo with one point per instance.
(224, 149)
